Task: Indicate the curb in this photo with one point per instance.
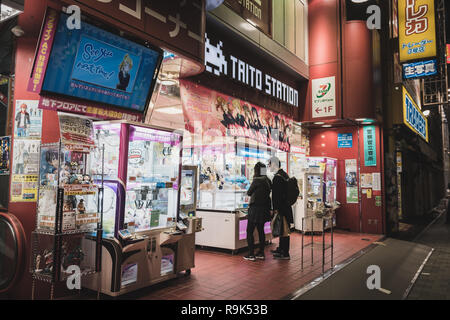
(314, 283)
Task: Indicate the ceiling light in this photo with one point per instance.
(359, 1)
(326, 126)
(361, 119)
(426, 113)
(319, 122)
(170, 110)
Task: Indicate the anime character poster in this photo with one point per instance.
(27, 119)
(25, 151)
(211, 113)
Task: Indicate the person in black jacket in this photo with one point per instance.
(259, 211)
(279, 192)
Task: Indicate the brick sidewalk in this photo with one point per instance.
(222, 276)
(434, 280)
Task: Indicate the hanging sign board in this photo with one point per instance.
(417, 30)
(324, 97)
(413, 117)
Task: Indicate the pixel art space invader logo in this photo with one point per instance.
(214, 59)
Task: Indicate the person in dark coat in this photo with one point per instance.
(259, 211)
(279, 192)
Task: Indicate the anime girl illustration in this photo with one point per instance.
(227, 112)
(124, 72)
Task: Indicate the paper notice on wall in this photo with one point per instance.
(25, 151)
(352, 194)
(366, 180)
(351, 180)
(376, 181)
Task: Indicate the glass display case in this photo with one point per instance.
(69, 212)
(226, 168)
(226, 171)
(143, 186)
(319, 184)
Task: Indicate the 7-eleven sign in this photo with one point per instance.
(324, 97)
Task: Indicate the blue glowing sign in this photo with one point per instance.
(419, 69)
(96, 65)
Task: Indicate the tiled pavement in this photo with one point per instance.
(434, 280)
(222, 276)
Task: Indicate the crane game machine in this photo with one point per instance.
(319, 192)
(146, 238)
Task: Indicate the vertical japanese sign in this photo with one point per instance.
(417, 30)
(351, 181)
(25, 159)
(370, 150)
(324, 97)
(43, 53)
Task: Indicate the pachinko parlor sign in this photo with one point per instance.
(208, 112)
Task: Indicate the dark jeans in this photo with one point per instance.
(284, 245)
(251, 239)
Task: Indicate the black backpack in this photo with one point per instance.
(292, 191)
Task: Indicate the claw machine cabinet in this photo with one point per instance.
(319, 191)
(188, 219)
(226, 172)
(297, 165)
(142, 243)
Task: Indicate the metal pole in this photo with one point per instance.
(312, 240)
(323, 245)
(332, 244)
(33, 286)
(303, 235)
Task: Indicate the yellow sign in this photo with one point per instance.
(413, 116)
(24, 188)
(417, 29)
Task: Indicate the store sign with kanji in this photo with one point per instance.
(175, 25)
(324, 97)
(419, 69)
(417, 30)
(370, 150)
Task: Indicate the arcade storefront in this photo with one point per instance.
(71, 212)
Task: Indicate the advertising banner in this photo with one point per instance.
(419, 69)
(370, 149)
(324, 97)
(25, 155)
(172, 24)
(5, 153)
(24, 188)
(351, 181)
(43, 53)
(417, 30)
(413, 117)
(345, 140)
(88, 109)
(211, 113)
(96, 65)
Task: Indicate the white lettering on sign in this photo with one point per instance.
(216, 62)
